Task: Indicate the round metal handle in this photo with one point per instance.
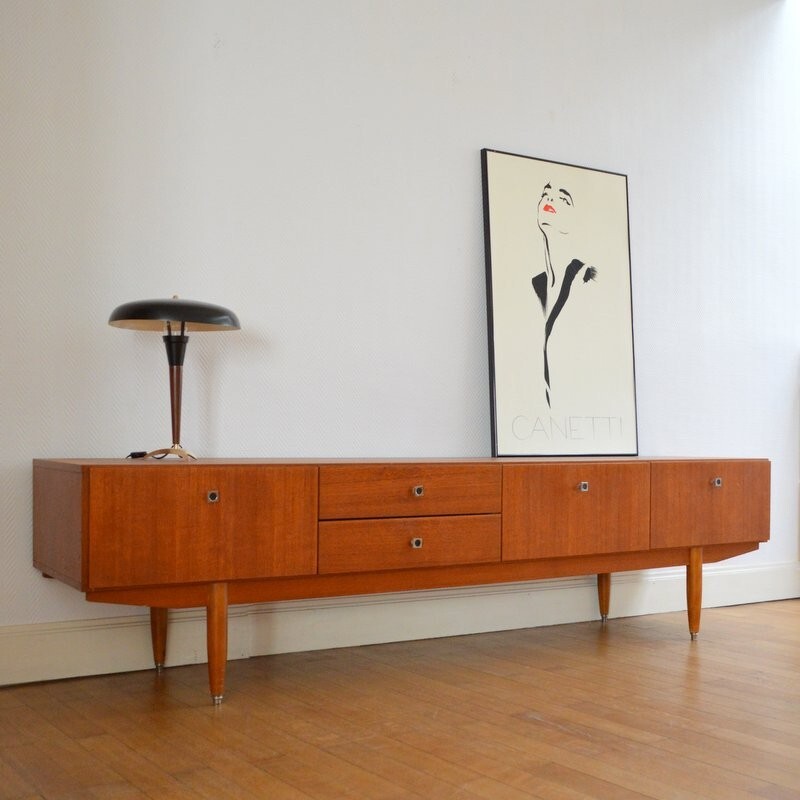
(418, 490)
(717, 482)
(213, 496)
(583, 486)
(416, 543)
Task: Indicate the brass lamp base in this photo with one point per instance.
(175, 450)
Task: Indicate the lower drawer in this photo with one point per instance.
(368, 545)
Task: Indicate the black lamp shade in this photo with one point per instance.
(153, 315)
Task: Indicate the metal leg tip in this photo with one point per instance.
(159, 669)
(693, 634)
(216, 699)
(604, 618)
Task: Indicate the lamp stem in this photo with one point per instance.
(175, 392)
(176, 352)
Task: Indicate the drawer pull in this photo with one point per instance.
(416, 543)
(213, 496)
(583, 486)
(717, 483)
(418, 490)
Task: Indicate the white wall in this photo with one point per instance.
(315, 166)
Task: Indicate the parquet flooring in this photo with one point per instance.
(633, 710)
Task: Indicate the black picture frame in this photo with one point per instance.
(559, 308)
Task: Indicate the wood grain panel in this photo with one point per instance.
(58, 543)
(363, 491)
(166, 524)
(545, 514)
(365, 545)
(269, 523)
(689, 509)
(152, 525)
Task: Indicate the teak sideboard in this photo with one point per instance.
(215, 532)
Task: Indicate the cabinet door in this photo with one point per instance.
(359, 491)
(184, 523)
(709, 502)
(572, 509)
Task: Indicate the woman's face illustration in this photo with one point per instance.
(555, 209)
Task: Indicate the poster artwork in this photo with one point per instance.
(559, 308)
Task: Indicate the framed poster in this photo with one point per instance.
(559, 308)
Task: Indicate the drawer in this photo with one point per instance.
(369, 545)
(709, 502)
(574, 509)
(366, 491)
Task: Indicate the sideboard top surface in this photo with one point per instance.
(78, 463)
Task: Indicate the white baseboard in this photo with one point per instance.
(91, 647)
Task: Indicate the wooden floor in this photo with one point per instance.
(632, 710)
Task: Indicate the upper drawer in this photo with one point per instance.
(362, 491)
(709, 502)
(575, 509)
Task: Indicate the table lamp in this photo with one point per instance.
(175, 317)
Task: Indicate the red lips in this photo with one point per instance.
(548, 208)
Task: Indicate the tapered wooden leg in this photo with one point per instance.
(217, 638)
(604, 594)
(158, 634)
(694, 589)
